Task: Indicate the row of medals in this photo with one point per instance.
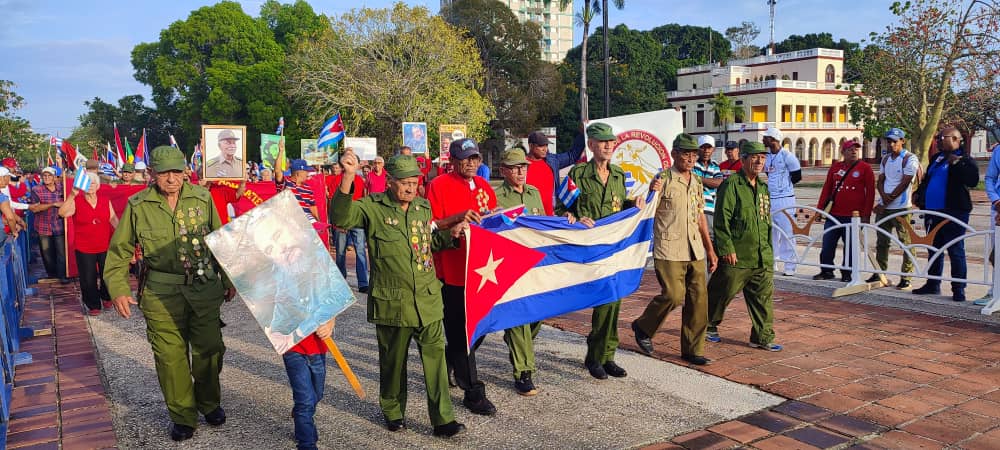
(193, 254)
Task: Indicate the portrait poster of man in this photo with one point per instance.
(312, 155)
(225, 152)
(281, 270)
(269, 149)
(447, 134)
(415, 136)
(365, 147)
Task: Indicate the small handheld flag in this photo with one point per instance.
(281, 125)
(82, 180)
(568, 192)
(331, 133)
(107, 170)
(173, 142)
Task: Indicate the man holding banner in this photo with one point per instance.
(405, 298)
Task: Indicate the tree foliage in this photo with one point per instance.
(291, 23)
(132, 116)
(16, 137)
(382, 67)
(725, 112)
(918, 71)
(742, 37)
(522, 87)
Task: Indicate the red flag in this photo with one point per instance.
(71, 154)
(493, 264)
(119, 152)
(140, 148)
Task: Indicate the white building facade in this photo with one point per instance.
(557, 25)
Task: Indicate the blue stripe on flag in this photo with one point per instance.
(584, 253)
(328, 137)
(82, 180)
(566, 195)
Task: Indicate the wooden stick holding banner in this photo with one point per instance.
(348, 373)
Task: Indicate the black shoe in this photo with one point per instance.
(643, 340)
(874, 278)
(824, 275)
(395, 425)
(597, 371)
(216, 418)
(614, 370)
(524, 385)
(903, 285)
(363, 289)
(846, 278)
(928, 289)
(958, 295)
(449, 429)
(697, 360)
(181, 432)
(483, 406)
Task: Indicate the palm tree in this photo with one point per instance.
(583, 19)
(726, 112)
(607, 53)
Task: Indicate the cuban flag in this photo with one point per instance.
(331, 133)
(82, 180)
(107, 170)
(536, 267)
(567, 192)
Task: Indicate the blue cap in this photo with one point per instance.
(895, 134)
(299, 164)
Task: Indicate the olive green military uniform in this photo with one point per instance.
(597, 200)
(520, 340)
(182, 295)
(404, 300)
(743, 227)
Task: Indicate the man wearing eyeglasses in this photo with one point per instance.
(945, 189)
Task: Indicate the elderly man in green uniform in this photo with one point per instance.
(680, 245)
(404, 301)
(128, 175)
(743, 239)
(183, 292)
(602, 193)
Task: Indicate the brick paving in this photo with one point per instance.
(856, 376)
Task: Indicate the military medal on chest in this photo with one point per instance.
(483, 201)
(616, 203)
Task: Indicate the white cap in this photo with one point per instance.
(4, 172)
(50, 170)
(140, 166)
(702, 140)
(773, 132)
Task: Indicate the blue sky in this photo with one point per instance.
(62, 53)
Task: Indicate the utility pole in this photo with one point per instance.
(771, 3)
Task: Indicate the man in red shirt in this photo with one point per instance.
(355, 237)
(732, 163)
(849, 188)
(461, 194)
(543, 168)
(377, 177)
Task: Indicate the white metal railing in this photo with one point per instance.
(857, 239)
(768, 84)
(828, 52)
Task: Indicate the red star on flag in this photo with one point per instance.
(493, 264)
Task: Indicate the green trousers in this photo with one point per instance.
(182, 325)
(882, 240)
(393, 346)
(681, 283)
(603, 338)
(758, 292)
(521, 347)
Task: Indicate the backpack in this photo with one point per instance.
(917, 177)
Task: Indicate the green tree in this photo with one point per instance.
(16, 137)
(725, 112)
(382, 67)
(687, 45)
(915, 72)
(291, 22)
(132, 116)
(219, 66)
(742, 37)
(521, 86)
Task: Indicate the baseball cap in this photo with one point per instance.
(140, 166)
(538, 138)
(403, 166)
(10, 163)
(685, 142)
(895, 134)
(601, 132)
(4, 172)
(706, 140)
(165, 158)
(752, 148)
(850, 143)
(299, 164)
(514, 157)
(463, 148)
(227, 134)
(732, 144)
(128, 167)
(50, 170)
(773, 133)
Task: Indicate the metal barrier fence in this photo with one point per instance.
(859, 234)
(13, 292)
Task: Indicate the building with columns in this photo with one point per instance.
(801, 93)
(557, 25)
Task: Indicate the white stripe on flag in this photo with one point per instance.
(82, 180)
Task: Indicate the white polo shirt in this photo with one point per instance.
(778, 167)
(894, 172)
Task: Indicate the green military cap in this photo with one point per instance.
(403, 166)
(601, 132)
(751, 148)
(165, 158)
(514, 157)
(684, 142)
(128, 167)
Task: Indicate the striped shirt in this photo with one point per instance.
(711, 170)
(303, 194)
(48, 222)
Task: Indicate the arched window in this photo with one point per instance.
(830, 73)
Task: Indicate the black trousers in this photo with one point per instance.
(91, 269)
(53, 250)
(464, 364)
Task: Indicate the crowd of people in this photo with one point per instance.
(718, 228)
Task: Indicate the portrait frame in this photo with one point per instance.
(410, 138)
(211, 151)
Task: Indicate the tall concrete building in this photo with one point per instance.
(557, 26)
